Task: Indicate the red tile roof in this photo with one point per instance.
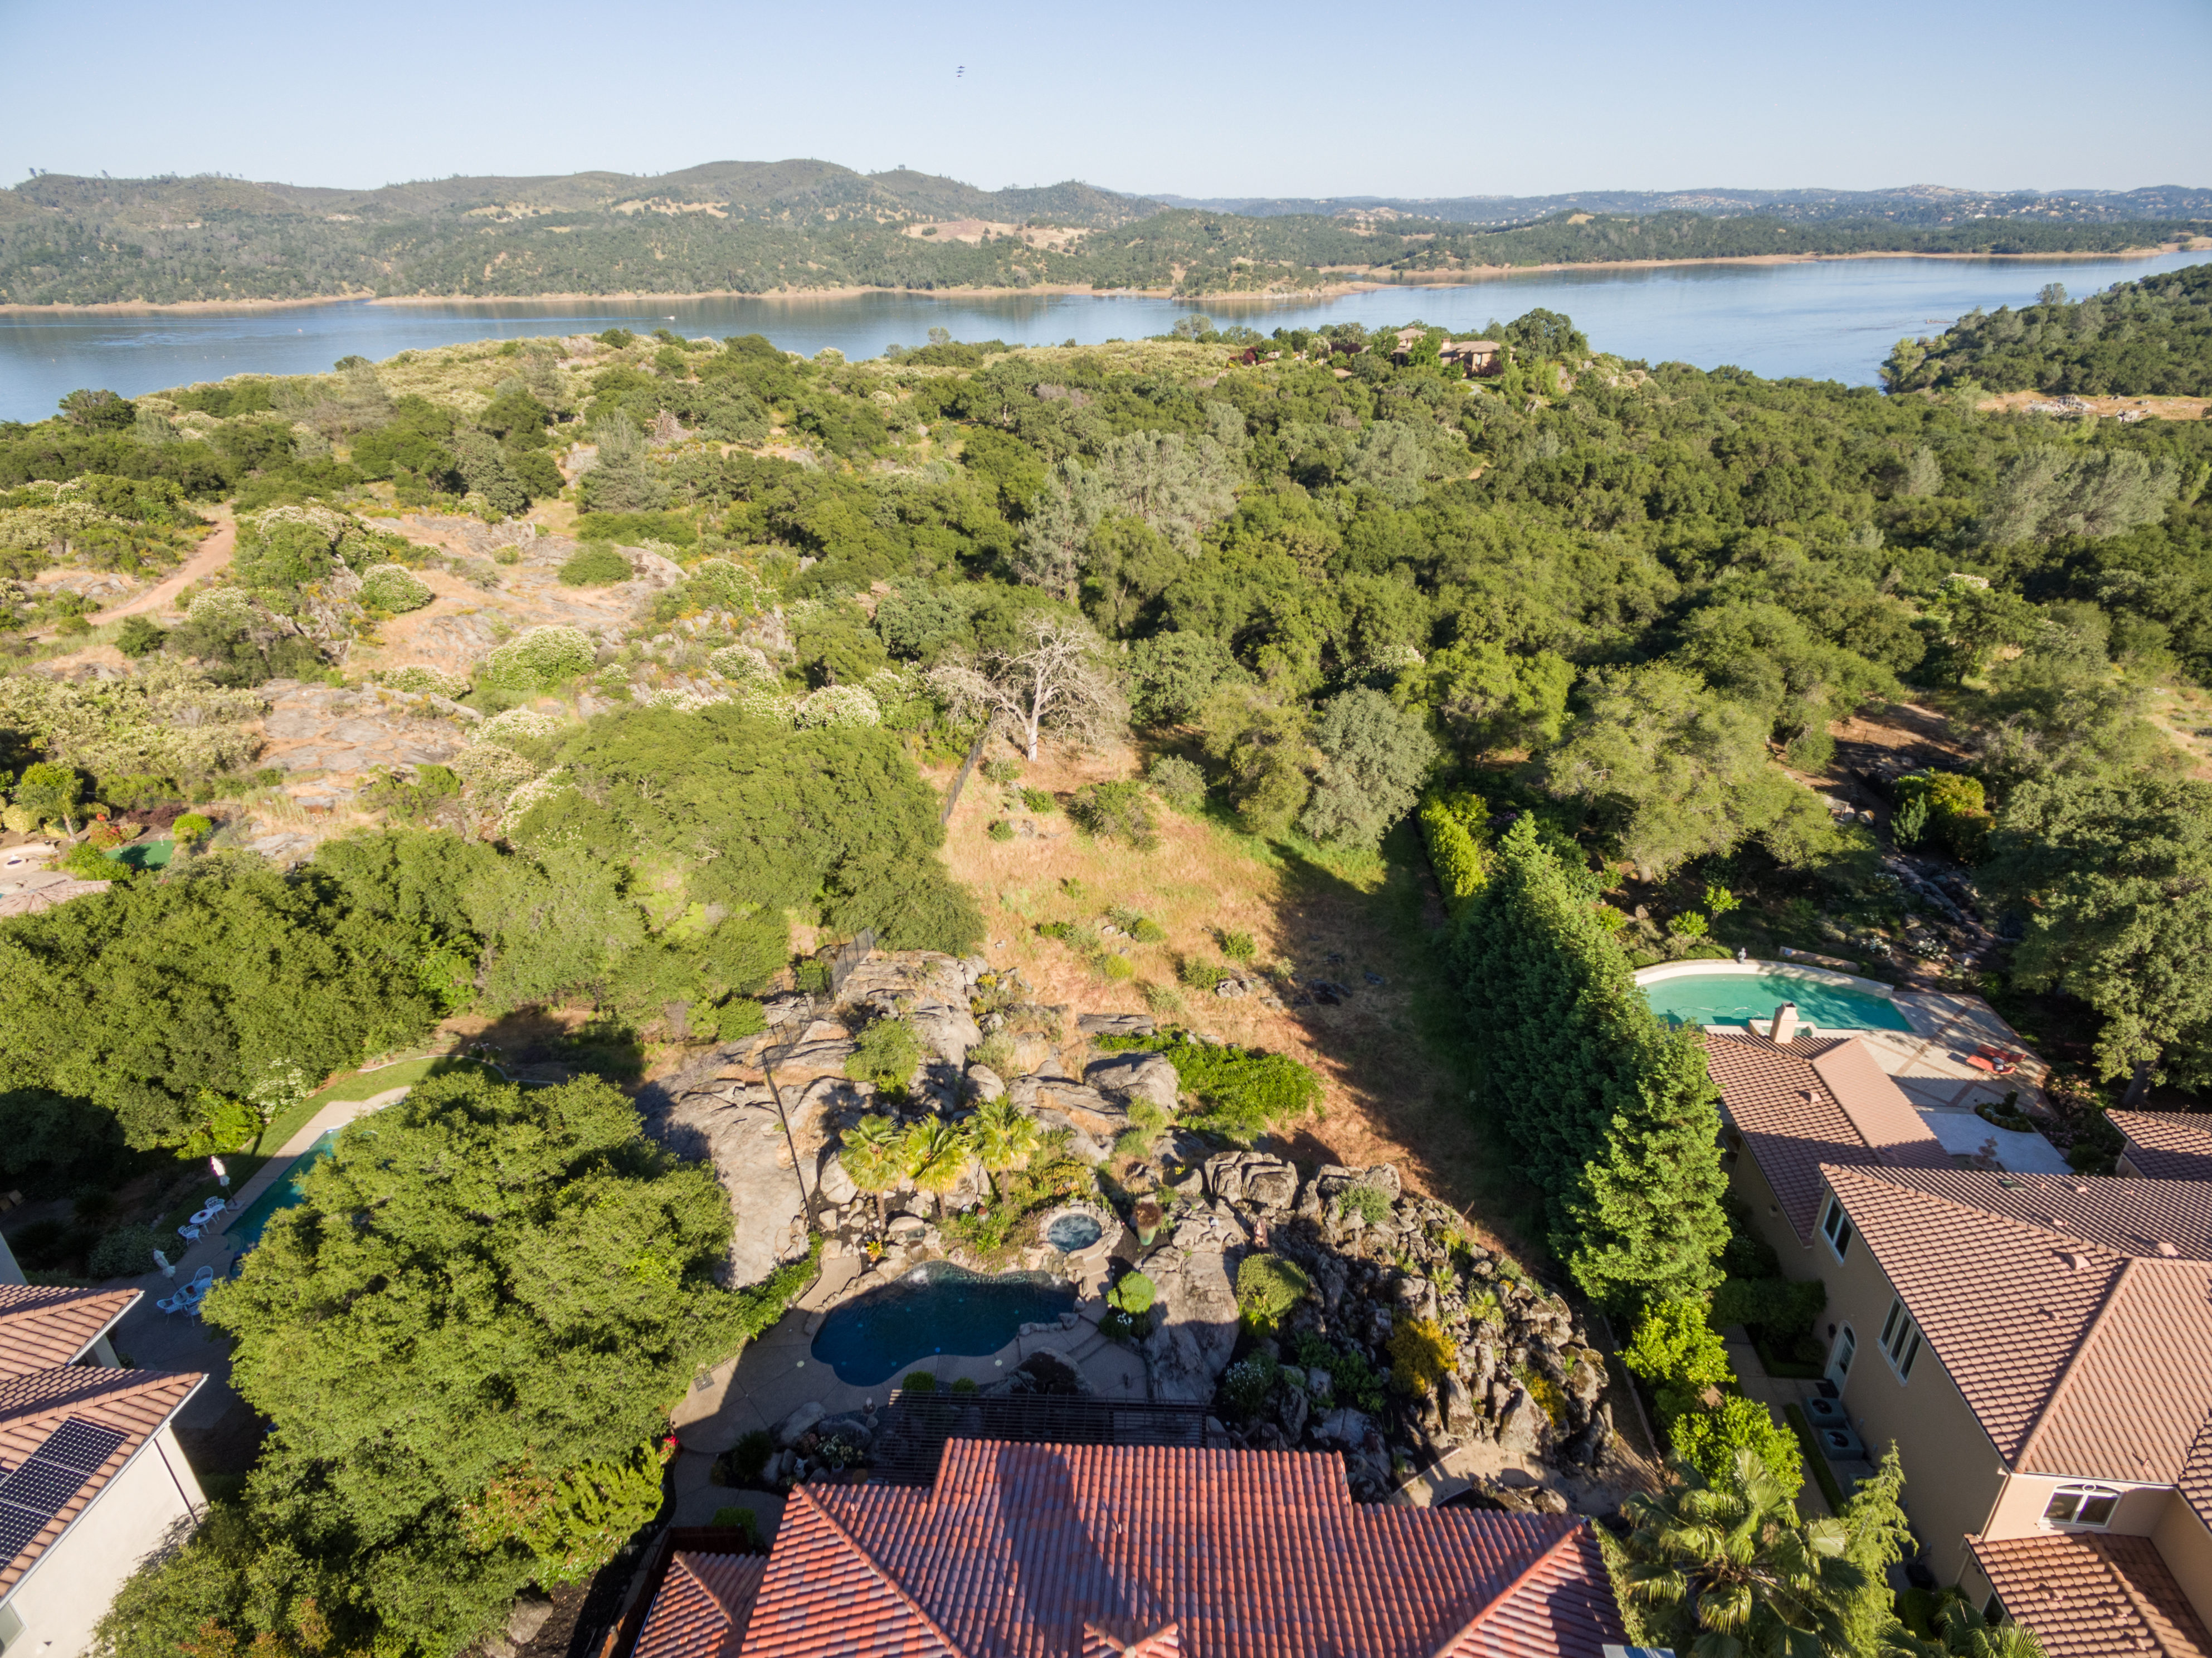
(702, 1606)
(1812, 1101)
(2093, 1596)
(2167, 1145)
(2073, 1313)
(134, 1403)
(1049, 1551)
(2195, 1482)
(42, 1327)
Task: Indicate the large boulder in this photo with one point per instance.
(1144, 1077)
(1331, 1181)
(1115, 1024)
(1195, 1335)
(1524, 1427)
(1100, 1116)
(833, 1184)
(1345, 1426)
(1253, 1177)
(985, 1084)
(736, 1129)
(927, 989)
(819, 1051)
(1081, 1143)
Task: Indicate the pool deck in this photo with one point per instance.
(1929, 1063)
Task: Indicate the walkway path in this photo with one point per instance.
(212, 555)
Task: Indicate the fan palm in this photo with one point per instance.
(937, 1155)
(1743, 1575)
(1966, 1634)
(1003, 1135)
(873, 1154)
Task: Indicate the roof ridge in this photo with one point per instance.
(1482, 1616)
(2089, 1334)
(882, 1572)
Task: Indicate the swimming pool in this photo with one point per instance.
(936, 1308)
(285, 1193)
(1738, 997)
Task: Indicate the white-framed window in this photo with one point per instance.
(2090, 1506)
(1900, 1340)
(1836, 1227)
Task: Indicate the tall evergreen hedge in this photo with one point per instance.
(1615, 1116)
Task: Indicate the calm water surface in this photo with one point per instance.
(1826, 321)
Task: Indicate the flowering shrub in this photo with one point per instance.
(533, 793)
(394, 587)
(229, 607)
(762, 703)
(681, 702)
(838, 705)
(425, 680)
(505, 728)
(539, 658)
(744, 662)
(490, 772)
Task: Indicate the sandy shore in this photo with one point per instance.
(1350, 280)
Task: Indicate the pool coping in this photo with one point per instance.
(1661, 971)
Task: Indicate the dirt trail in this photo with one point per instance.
(210, 556)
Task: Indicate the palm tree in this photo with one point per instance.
(1739, 1572)
(873, 1153)
(1966, 1634)
(1003, 1135)
(936, 1155)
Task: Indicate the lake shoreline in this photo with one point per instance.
(1468, 277)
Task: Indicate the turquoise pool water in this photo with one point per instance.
(935, 1309)
(1737, 998)
(285, 1194)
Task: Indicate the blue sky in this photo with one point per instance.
(1402, 97)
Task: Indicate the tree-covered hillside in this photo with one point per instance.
(751, 227)
(2146, 338)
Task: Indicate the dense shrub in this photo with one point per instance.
(595, 566)
(1177, 781)
(393, 587)
(539, 658)
(1114, 811)
(1268, 1286)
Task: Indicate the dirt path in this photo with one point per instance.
(210, 555)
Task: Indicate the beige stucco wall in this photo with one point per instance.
(1953, 1474)
(2186, 1548)
(67, 1591)
(1749, 1184)
(2019, 1510)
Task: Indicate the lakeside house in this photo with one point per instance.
(1480, 359)
(2038, 1347)
(93, 1480)
(1146, 1551)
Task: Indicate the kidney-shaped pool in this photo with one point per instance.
(1739, 998)
(936, 1308)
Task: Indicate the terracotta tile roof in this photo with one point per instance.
(2167, 1145)
(134, 1403)
(703, 1607)
(1812, 1101)
(42, 1327)
(2094, 1595)
(2195, 1482)
(1049, 1551)
(2074, 1312)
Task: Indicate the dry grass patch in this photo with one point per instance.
(1391, 1058)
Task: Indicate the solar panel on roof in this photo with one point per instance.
(80, 1444)
(50, 1477)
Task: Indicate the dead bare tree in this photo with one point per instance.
(1058, 683)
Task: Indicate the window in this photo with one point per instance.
(1836, 1227)
(2081, 1505)
(1900, 1340)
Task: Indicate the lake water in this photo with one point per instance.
(1832, 320)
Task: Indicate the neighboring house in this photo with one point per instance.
(92, 1479)
(1787, 1108)
(2038, 1348)
(1150, 1552)
(2164, 1145)
(1482, 358)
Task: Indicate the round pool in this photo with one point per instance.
(1073, 1231)
(937, 1308)
(1703, 999)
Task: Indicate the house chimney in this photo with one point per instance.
(1785, 1023)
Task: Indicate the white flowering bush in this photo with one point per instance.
(530, 795)
(681, 702)
(539, 658)
(393, 587)
(838, 705)
(167, 719)
(744, 662)
(505, 728)
(429, 681)
(225, 607)
(30, 529)
(491, 772)
(283, 1083)
(761, 703)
